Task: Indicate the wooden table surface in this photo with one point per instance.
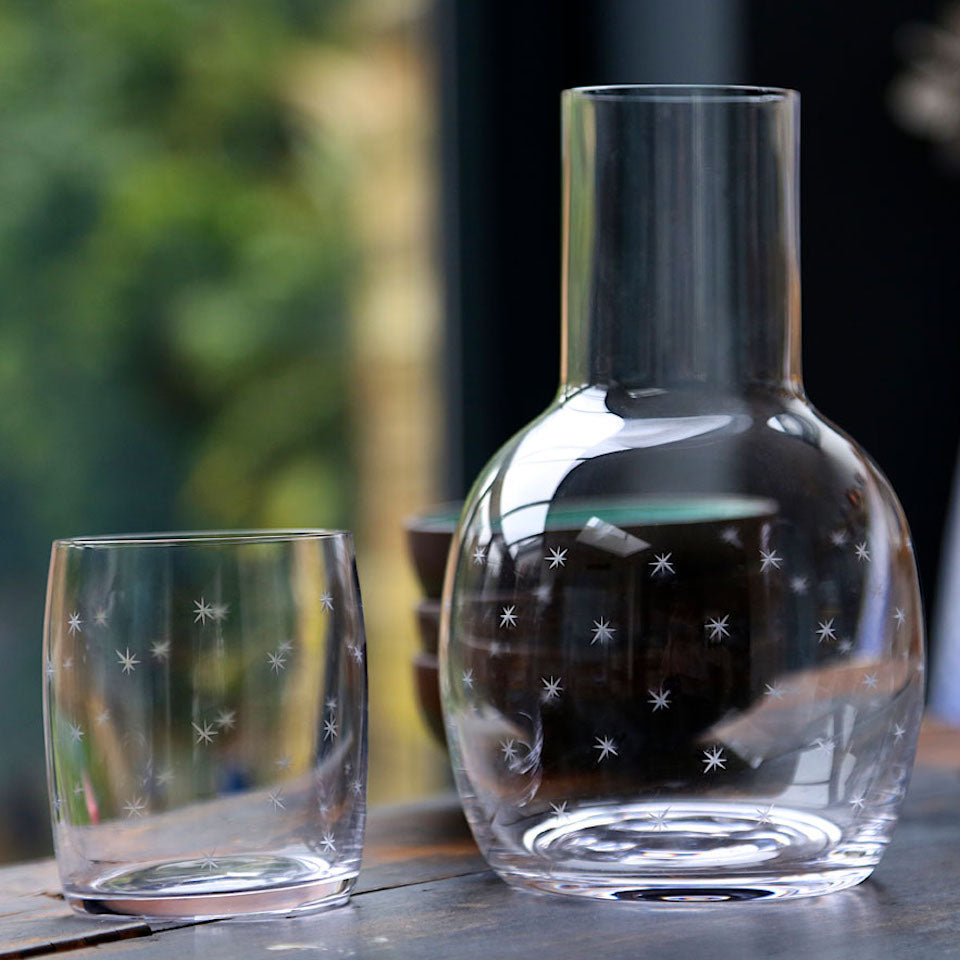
(424, 892)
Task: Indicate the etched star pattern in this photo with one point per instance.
(507, 617)
(135, 807)
(226, 719)
(466, 679)
(799, 585)
(164, 777)
(479, 556)
(204, 733)
(202, 611)
(661, 564)
(128, 661)
(559, 809)
(602, 632)
(51, 670)
(330, 729)
(845, 646)
(509, 749)
(100, 617)
(717, 627)
(898, 731)
(102, 717)
(838, 538)
(160, 649)
(774, 691)
(356, 786)
(208, 861)
(285, 647)
(770, 560)
(76, 732)
(856, 802)
(355, 650)
(556, 558)
(607, 748)
(328, 843)
(825, 630)
(331, 703)
(713, 759)
(764, 815)
(731, 536)
(870, 681)
(277, 661)
(220, 611)
(326, 602)
(862, 552)
(551, 689)
(277, 800)
(74, 623)
(899, 616)
(659, 819)
(659, 699)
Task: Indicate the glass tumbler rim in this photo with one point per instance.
(200, 537)
(684, 92)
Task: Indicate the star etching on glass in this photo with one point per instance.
(100, 617)
(862, 552)
(226, 719)
(331, 703)
(731, 536)
(551, 689)
(774, 691)
(356, 786)
(799, 585)
(559, 810)
(659, 699)
(838, 538)
(204, 733)
(328, 843)
(764, 815)
(713, 759)
(717, 627)
(770, 560)
(202, 611)
(160, 649)
(898, 731)
(277, 800)
(899, 616)
(479, 556)
(556, 558)
(74, 623)
(128, 661)
(102, 717)
(326, 602)
(208, 861)
(507, 617)
(661, 564)
(51, 669)
(659, 819)
(164, 777)
(219, 611)
(845, 645)
(869, 681)
(825, 630)
(607, 748)
(277, 661)
(509, 749)
(135, 807)
(856, 802)
(466, 678)
(355, 650)
(76, 732)
(602, 632)
(330, 729)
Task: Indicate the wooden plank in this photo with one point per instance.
(907, 909)
(404, 845)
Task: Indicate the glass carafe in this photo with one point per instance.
(682, 648)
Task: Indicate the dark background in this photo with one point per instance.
(879, 214)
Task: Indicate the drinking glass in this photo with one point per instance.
(205, 721)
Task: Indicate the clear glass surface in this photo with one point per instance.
(682, 641)
(205, 719)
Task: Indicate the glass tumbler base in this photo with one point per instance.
(685, 852)
(238, 887)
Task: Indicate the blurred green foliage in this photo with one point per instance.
(175, 255)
